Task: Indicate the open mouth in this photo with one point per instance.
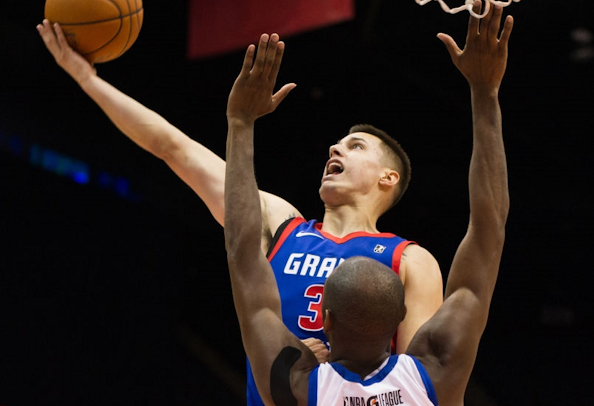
(335, 168)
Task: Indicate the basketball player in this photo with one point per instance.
(363, 301)
(356, 191)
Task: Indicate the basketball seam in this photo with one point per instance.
(125, 47)
(120, 18)
(130, 15)
(138, 20)
(116, 34)
(102, 21)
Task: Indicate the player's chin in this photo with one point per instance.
(328, 178)
(329, 193)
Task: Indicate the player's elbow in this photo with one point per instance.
(240, 243)
(491, 218)
(160, 138)
(167, 148)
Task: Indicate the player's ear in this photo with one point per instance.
(328, 316)
(389, 178)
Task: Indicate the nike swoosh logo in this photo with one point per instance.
(304, 233)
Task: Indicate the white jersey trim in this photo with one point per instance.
(337, 384)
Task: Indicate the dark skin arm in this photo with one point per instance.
(255, 293)
(447, 345)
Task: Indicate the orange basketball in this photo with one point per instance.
(100, 30)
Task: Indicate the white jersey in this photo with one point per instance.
(400, 380)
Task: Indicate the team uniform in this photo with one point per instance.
(302, 257)
(400, 380)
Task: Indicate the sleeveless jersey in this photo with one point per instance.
(302, 257)
(401, 380)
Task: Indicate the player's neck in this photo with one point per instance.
(359, 363)
(343, 220)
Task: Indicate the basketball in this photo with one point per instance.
(99, 30)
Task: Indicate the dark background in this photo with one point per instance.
(119, 294)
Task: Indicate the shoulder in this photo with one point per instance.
(417, 260)
(418, 253)
(275, 212)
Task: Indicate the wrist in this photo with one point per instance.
(240, 122)
(84, 78)
(484, 92)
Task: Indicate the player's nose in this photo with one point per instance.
(336, 150)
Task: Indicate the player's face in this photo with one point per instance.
(354, 168)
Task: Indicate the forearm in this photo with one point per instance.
(143, 126)
(480, 251)
(488, 189)
(254, 286)
(243, 216)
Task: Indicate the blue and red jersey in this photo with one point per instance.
(302, 257)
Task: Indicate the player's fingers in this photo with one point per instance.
(485, 22)
(280, 49)
(450, 45)
(41, 28)
(473, 22)
(495, 23)
(248, 60)
(314, 344)
(322, 354)
(279, 96)
(48, 36)
(61, 37)
(271, 55)
(508, 25)
(481, 14)
(260, 54)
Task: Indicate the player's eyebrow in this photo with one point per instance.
(358, 139)
(353, 138)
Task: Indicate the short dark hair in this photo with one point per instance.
(395, 154)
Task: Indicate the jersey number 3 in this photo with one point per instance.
(313, 322)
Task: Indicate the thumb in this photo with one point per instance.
(450, 44)
(279, 96)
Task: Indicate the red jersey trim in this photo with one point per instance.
(397, 255)
(340, 240)
(288, 230)
(396, 260)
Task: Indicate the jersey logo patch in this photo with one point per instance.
(304, 233)
(379, 249)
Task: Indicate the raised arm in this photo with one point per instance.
(255, 292)
(448, 343)
(197, 166)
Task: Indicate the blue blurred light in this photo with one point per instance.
(81, 177)
(66, 166)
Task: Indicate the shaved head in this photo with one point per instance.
(366, 299)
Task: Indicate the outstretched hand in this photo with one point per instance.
(484, 58)
(251, 96)
(66, 57)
